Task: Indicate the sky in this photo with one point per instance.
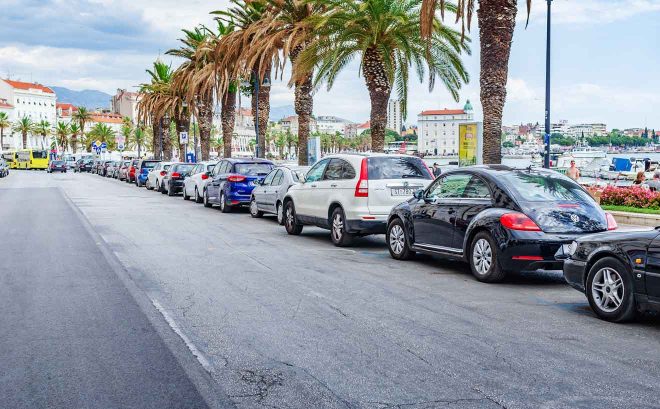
(605, 57)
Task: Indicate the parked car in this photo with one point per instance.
(83, 165)
(4, 168)
(122, 173)
(172, 182)
(132, 167)
(194, 184)
(496, 218)
(103, 168)
(156, 175)
(233, 180)
(353, 194)
(96, 166)
(112, 168)
(619, 272)
(268, 196)
(56, 166)
(70, 163)
(142, 169)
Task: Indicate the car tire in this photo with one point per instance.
(206, 199)
(484, 259)
(161, 188)
(291, 223)
(254, 209)
(338, 233)
(397, 241)
(224, 207)
(619, 304)
(185, 195)
(170, 190)
(279, 211)
(198, 198)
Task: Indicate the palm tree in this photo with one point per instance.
(24, 126)
(62, 132)
(155, 106)
(82, 116)
(497, 21)
(74, 130)
(44, 129)
(137, 139)
(4, 124)
(103, 133)
(385, 36)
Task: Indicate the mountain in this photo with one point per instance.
(277, 113)
(89, 99)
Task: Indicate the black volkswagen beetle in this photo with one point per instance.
(496, 218)
(618, 272)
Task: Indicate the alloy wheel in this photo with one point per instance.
(482, 256)
(253, 207)
(337, 227)
(289, 216)
(607, 289)
(280, 214)
(397, 239)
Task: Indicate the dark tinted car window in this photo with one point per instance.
(383, 167)
(450, 186)
(149, 164)
(339, 169)
(181, 168)
(534, 187)
(253, 169)
(476, 189)
(58, 162)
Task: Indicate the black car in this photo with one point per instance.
(83, 165)
(618, 271)
(173, 179)
(57, 166)
(496, 218)
(4, 168)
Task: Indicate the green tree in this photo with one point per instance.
(103, 133)
(75, 132)
(24, 126)
(62, 132)
(81, 116)
(4, 124)
(44, 129)
(385, 36)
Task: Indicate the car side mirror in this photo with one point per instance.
(419, 194)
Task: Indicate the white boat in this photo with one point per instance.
(587, 152)
(583, 156)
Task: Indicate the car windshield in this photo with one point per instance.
(535, 187)
(149, 165)
(253, 169)
(183, 168)
(400, 167)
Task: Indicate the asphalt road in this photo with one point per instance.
(294, 322)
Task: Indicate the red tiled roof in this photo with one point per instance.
(365, 125)
(290, 118)
(443, 112)
(66, 105)
(28, 86)
(107, 118)
(5, 104)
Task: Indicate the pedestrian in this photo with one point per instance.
(641, 177)
(436, 170)
(654, 184)
(573, 172)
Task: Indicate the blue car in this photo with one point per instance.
(142, 170)
(232, 181)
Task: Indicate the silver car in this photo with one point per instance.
(268, 196)
(194, 185)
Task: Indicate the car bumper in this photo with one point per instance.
(367, 226)
(531, 251)
(176, 186)
(237, 199)
(574, 271)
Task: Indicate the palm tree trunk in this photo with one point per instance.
(379, 88)
(228, 118)
(304, 105)
(182, 122)
(497, 20)
(155, 127)
(205, 121)
(165, 122)
(2, 138)
(24, 140)
(264, 112)
(74, 142)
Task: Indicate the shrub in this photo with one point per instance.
(634, 196)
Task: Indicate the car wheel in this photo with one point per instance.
(279, 210)
(254, 209)
(170, 190)
(484, 260)
(206, 199)
(161, 188)
(291, 224)
(198, 198)
(224, 207)
(185, 194)
(340, 237)
(610, 291)
(397, 241)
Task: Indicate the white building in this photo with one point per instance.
(29, 100)
(597, 129)
(438, 129)
(243, 132)
(65, 112)
(8, 109)
(125, 104)
(331, 124)
(560, 127)
(394, 115)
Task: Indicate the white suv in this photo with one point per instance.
(352, 194)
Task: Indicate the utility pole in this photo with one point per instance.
(546, 162)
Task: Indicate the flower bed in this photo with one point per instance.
(633, 196)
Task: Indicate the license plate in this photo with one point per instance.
(401, 191)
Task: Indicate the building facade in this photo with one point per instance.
(27, 100)
(125, 104)
(438, 129)
(394, 115)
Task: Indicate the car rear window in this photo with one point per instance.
(534, 187)
(149, 165)
(183, 168)
(397, 167)
(58, 162)
(253, 169)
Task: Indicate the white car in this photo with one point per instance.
(352, 194)
(195, 183)
(155, 176)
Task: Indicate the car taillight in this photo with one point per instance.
(518, 221)
(176, 175)
(611, 222)
(362, 187)
(205, 176)
(163, 173)
(236, 178)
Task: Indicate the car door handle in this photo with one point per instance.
(313, 185)
(333, 185)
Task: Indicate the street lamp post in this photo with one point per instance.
(546, 162)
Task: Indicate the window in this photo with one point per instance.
(269, 178)
(450, 186)
(218, 168)
(339, 169)
(277, 180)
(253, 169)
(476, 189)
(534, 187)
(393, 167)
(316, 171)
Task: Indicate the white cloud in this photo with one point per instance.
(590, 12)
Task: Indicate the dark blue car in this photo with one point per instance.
(142, 170)
(232, 181)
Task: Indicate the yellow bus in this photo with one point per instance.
(10, 158)
(32, 159)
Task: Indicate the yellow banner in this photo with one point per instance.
(467, 144)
